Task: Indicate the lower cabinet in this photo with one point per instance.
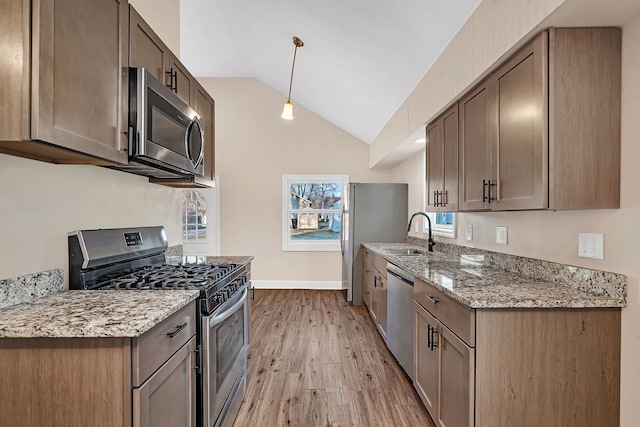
(444, 372)
(145, 381)
(516, 367)
(374, 289)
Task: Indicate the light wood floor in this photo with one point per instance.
(317, 361)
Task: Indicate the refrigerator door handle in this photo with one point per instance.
(342, 232)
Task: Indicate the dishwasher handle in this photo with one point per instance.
(400, 273)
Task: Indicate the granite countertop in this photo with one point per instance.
(477, 286)
(200, 259)
(92, 313)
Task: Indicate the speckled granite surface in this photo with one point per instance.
(199, 259)
(596, 282)
(94, 313)
(173, 251)
(25, 288)
(470, 279)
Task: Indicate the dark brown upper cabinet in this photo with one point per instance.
(64, 92)
(442, 162)
(543, 130)
(147, 50)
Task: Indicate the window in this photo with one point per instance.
(442, 224)
(194, 217)
(312, 212)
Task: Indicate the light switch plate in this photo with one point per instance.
(501, 235)
(590, 245)
(469, 232)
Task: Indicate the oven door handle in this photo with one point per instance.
(221, 317)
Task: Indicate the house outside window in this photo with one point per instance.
(194, 217)
(312, 212)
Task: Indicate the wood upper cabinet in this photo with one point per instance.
(533, 135)
(442, 162)
(180, 80)
(475, 149)
(61, 89)
(205, 107)
(584, 117)
(147, 50)
(520, 155)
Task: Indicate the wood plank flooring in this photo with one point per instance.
(317, 361)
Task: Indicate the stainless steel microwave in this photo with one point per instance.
(166, 138)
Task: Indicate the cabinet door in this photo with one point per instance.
(168, 398)
(79, 92)
(457, 379)
(145, 47)
(449, 198)
(522, 149)
(475, 150)
(382, 306)
(180, 80)
(427, 368)
(442, 162)
(205, 106)
(435, 163)
(375, 297)
(367, 283)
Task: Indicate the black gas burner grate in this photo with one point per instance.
(166, 276)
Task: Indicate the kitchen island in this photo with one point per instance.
(495, 347)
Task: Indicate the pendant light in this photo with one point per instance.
(287, 111)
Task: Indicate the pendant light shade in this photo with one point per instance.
(287, 111)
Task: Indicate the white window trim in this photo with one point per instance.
(300, 245)
(440, 229)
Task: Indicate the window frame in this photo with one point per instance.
(185, 223)
(289, 245)
(443, 230)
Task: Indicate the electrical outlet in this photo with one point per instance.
(590, 245)
(501, 235)
(469, 232)
(416, 228)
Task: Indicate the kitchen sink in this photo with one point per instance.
(405, 251)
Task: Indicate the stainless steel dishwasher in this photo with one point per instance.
(400, 321)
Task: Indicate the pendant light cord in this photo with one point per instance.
(298, 43)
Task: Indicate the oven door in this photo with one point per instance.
(168, 132)
(225, 352)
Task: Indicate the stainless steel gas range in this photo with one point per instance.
(134, 258)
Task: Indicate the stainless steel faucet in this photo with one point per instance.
(431, 242)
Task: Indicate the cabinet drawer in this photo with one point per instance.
(376, 261)
(156, 346)
(460, 319)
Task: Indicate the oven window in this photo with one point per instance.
(229, 342)
(165, 125)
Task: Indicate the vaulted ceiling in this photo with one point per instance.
(360, 59)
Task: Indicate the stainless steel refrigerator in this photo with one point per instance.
(371, 213)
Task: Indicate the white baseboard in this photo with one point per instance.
(294, 284)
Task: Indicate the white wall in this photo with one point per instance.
(553, 236)
(254, 148)
(40, 203)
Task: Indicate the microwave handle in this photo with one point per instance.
(200, 158)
